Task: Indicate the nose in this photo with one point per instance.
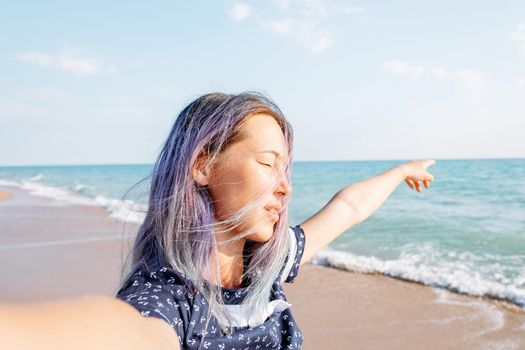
(284, 188)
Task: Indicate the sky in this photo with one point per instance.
(101, 82)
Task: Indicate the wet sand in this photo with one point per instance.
(49, 251)
(344, 310)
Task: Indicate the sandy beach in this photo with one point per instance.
(51, 250)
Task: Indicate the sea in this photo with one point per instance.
(466, 233)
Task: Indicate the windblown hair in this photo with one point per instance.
(180, 226)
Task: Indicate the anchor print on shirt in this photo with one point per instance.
(159, 292)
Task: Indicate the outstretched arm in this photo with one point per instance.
(94, 322)
(355, 203)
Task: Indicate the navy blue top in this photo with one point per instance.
(159, 291)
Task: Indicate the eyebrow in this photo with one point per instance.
(272, 151)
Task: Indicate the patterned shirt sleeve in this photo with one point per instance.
(293, 260)
(153, 298)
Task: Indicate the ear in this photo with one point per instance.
(201, 171)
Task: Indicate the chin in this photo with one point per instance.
(262, 236)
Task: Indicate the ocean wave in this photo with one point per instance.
(124, 210)
(83, 188)
(36, 177)
(427, 265)
(62, 195)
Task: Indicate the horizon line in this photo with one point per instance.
(295, 161)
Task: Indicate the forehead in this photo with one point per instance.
(261, 132)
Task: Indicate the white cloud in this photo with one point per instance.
(352, 10)
(470, 81)
(304, 7)
(304, 31)
(520, 82)
(283, 4)
(47, 95)
(519, 38)
(68, 60)
(283, 26)
(40, 103)
(312, 7)
(8, 108)
(240, 11)
(402, 68)
(318, 7)
(308, 22)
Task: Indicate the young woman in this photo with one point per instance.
(209, 260)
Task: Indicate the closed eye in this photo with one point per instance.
(268, 165)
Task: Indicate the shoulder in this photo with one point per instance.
(152, 279)
(298, 232)
(295, 253)
(297, 241)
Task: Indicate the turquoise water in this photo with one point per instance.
(466, 233)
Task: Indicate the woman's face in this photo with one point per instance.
(252, 168)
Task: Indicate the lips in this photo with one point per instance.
(274, 211)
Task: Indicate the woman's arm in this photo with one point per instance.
(92, 322)
(355, 203)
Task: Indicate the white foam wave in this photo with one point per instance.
(426, 265)
(36, 177)
(495, 317)
(125, 210)
(505, 344)
(82, 187)
(61, 195)
(9, 183)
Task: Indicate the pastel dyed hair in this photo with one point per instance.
(180, 226)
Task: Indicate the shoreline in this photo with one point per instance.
(52, 250)
(366, 310)
(502, 301)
